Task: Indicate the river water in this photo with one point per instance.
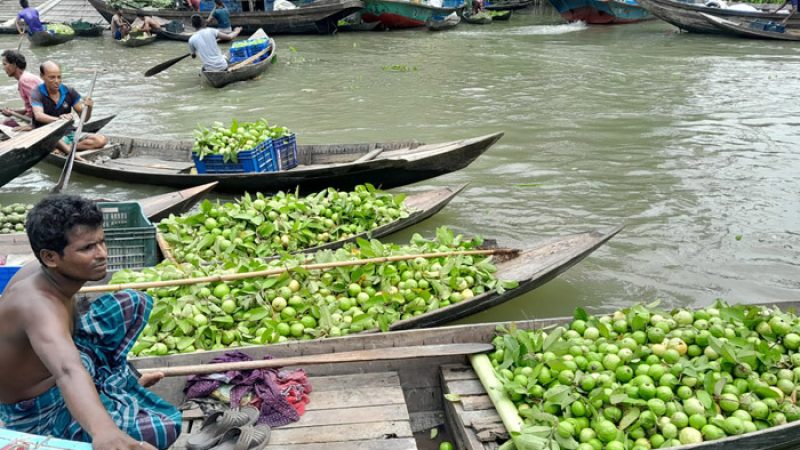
(690, 141)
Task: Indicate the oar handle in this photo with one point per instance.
(279, 271)
(376, 354)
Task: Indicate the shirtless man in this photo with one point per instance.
(63, 372)
(119, 26)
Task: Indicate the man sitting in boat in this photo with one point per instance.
(204, 43)
(14, 64)
(119, 26)
(63, 367)
(221, 17)
(30, 17)
(145, 24)
(52, 101)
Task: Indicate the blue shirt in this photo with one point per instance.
(31, 18)
(223, 18)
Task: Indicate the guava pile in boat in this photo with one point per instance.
(59, 28)
(643, 378)
(12, 217)
(303, 304)
(229, 141)
(263, 226)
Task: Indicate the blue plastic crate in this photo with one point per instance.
(259, 159)
(453, 3)
(6, 272)
(285, 152)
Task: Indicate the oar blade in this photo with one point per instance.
(164, 66)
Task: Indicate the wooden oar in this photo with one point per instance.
(376, 354)
(64, 180)
(165, 65)
(282, 270)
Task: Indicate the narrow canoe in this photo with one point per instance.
(343, 166)
(751, 29)
(688, 16)
(86, 29)
(89, 127)
(45, 38)
(481, 18)
(155, 208)
(23, 151)
(141, 41)
(394, 404)
(173, 36)
(248, 72)
(319, 17)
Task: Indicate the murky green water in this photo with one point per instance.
(690, 141)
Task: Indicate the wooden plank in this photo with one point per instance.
(356, 397)
(346, 382)
(341, 433)
(476, 402)
(351, 415)
(456, 372)
(423, 421)
(378, 444)
(480, 419)
(466, 387)
(464, 437)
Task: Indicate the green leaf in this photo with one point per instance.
(452, 397)
(629, 418)
(705, 399)
(552, 338)
(581, 314)
(434, 432)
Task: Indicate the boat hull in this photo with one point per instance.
(134, 42)
(47, 39)
(22, 152)
(222, 79)
(746, 29)
(381, 172)
(600, 12)
(394, 14)
(508, 5)
(319, 17)
(688, 17)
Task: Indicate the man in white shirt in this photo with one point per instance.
(204, 43)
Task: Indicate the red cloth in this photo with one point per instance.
(27, 83)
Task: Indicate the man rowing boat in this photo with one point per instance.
(63, 369)
(14, 64)
(204, 43)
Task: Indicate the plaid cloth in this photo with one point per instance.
(104, 335)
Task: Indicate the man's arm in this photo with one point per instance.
(89, 104)
(228, 37)
(52, 342)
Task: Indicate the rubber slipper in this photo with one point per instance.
(219, 423)
(250, 437)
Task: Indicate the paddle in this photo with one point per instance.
(63, 181)
(375, 354)
(281, 270)
(165, 65)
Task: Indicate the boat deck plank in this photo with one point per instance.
(151, 164)
(363, 411)
(476, 428)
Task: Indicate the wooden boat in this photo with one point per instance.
(396, 14)
(601, 11)
(155, 208)
(354, 22)
(86, 29)
(501, 15)
(507, 5)
(319, 17)
(446, 23)
(242, 73)
(22, 152)
(46, 38)
(89, 127)
(137, 40)
(174, 36)
(754, 29)
(343, 166)
(369, 404)
(688, 16)
(481, 18)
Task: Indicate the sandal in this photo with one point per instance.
(250, 437)
(219, 423)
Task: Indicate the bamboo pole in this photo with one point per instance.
(280, 271)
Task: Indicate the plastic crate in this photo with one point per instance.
(285, 152)
(231, 6)
(242, 50)
(259, 159)
(6, 272)
(130, 237)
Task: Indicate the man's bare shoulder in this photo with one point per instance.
(28, 291)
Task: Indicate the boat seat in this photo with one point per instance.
(362, 411)
(150, 165)
(473, 420)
